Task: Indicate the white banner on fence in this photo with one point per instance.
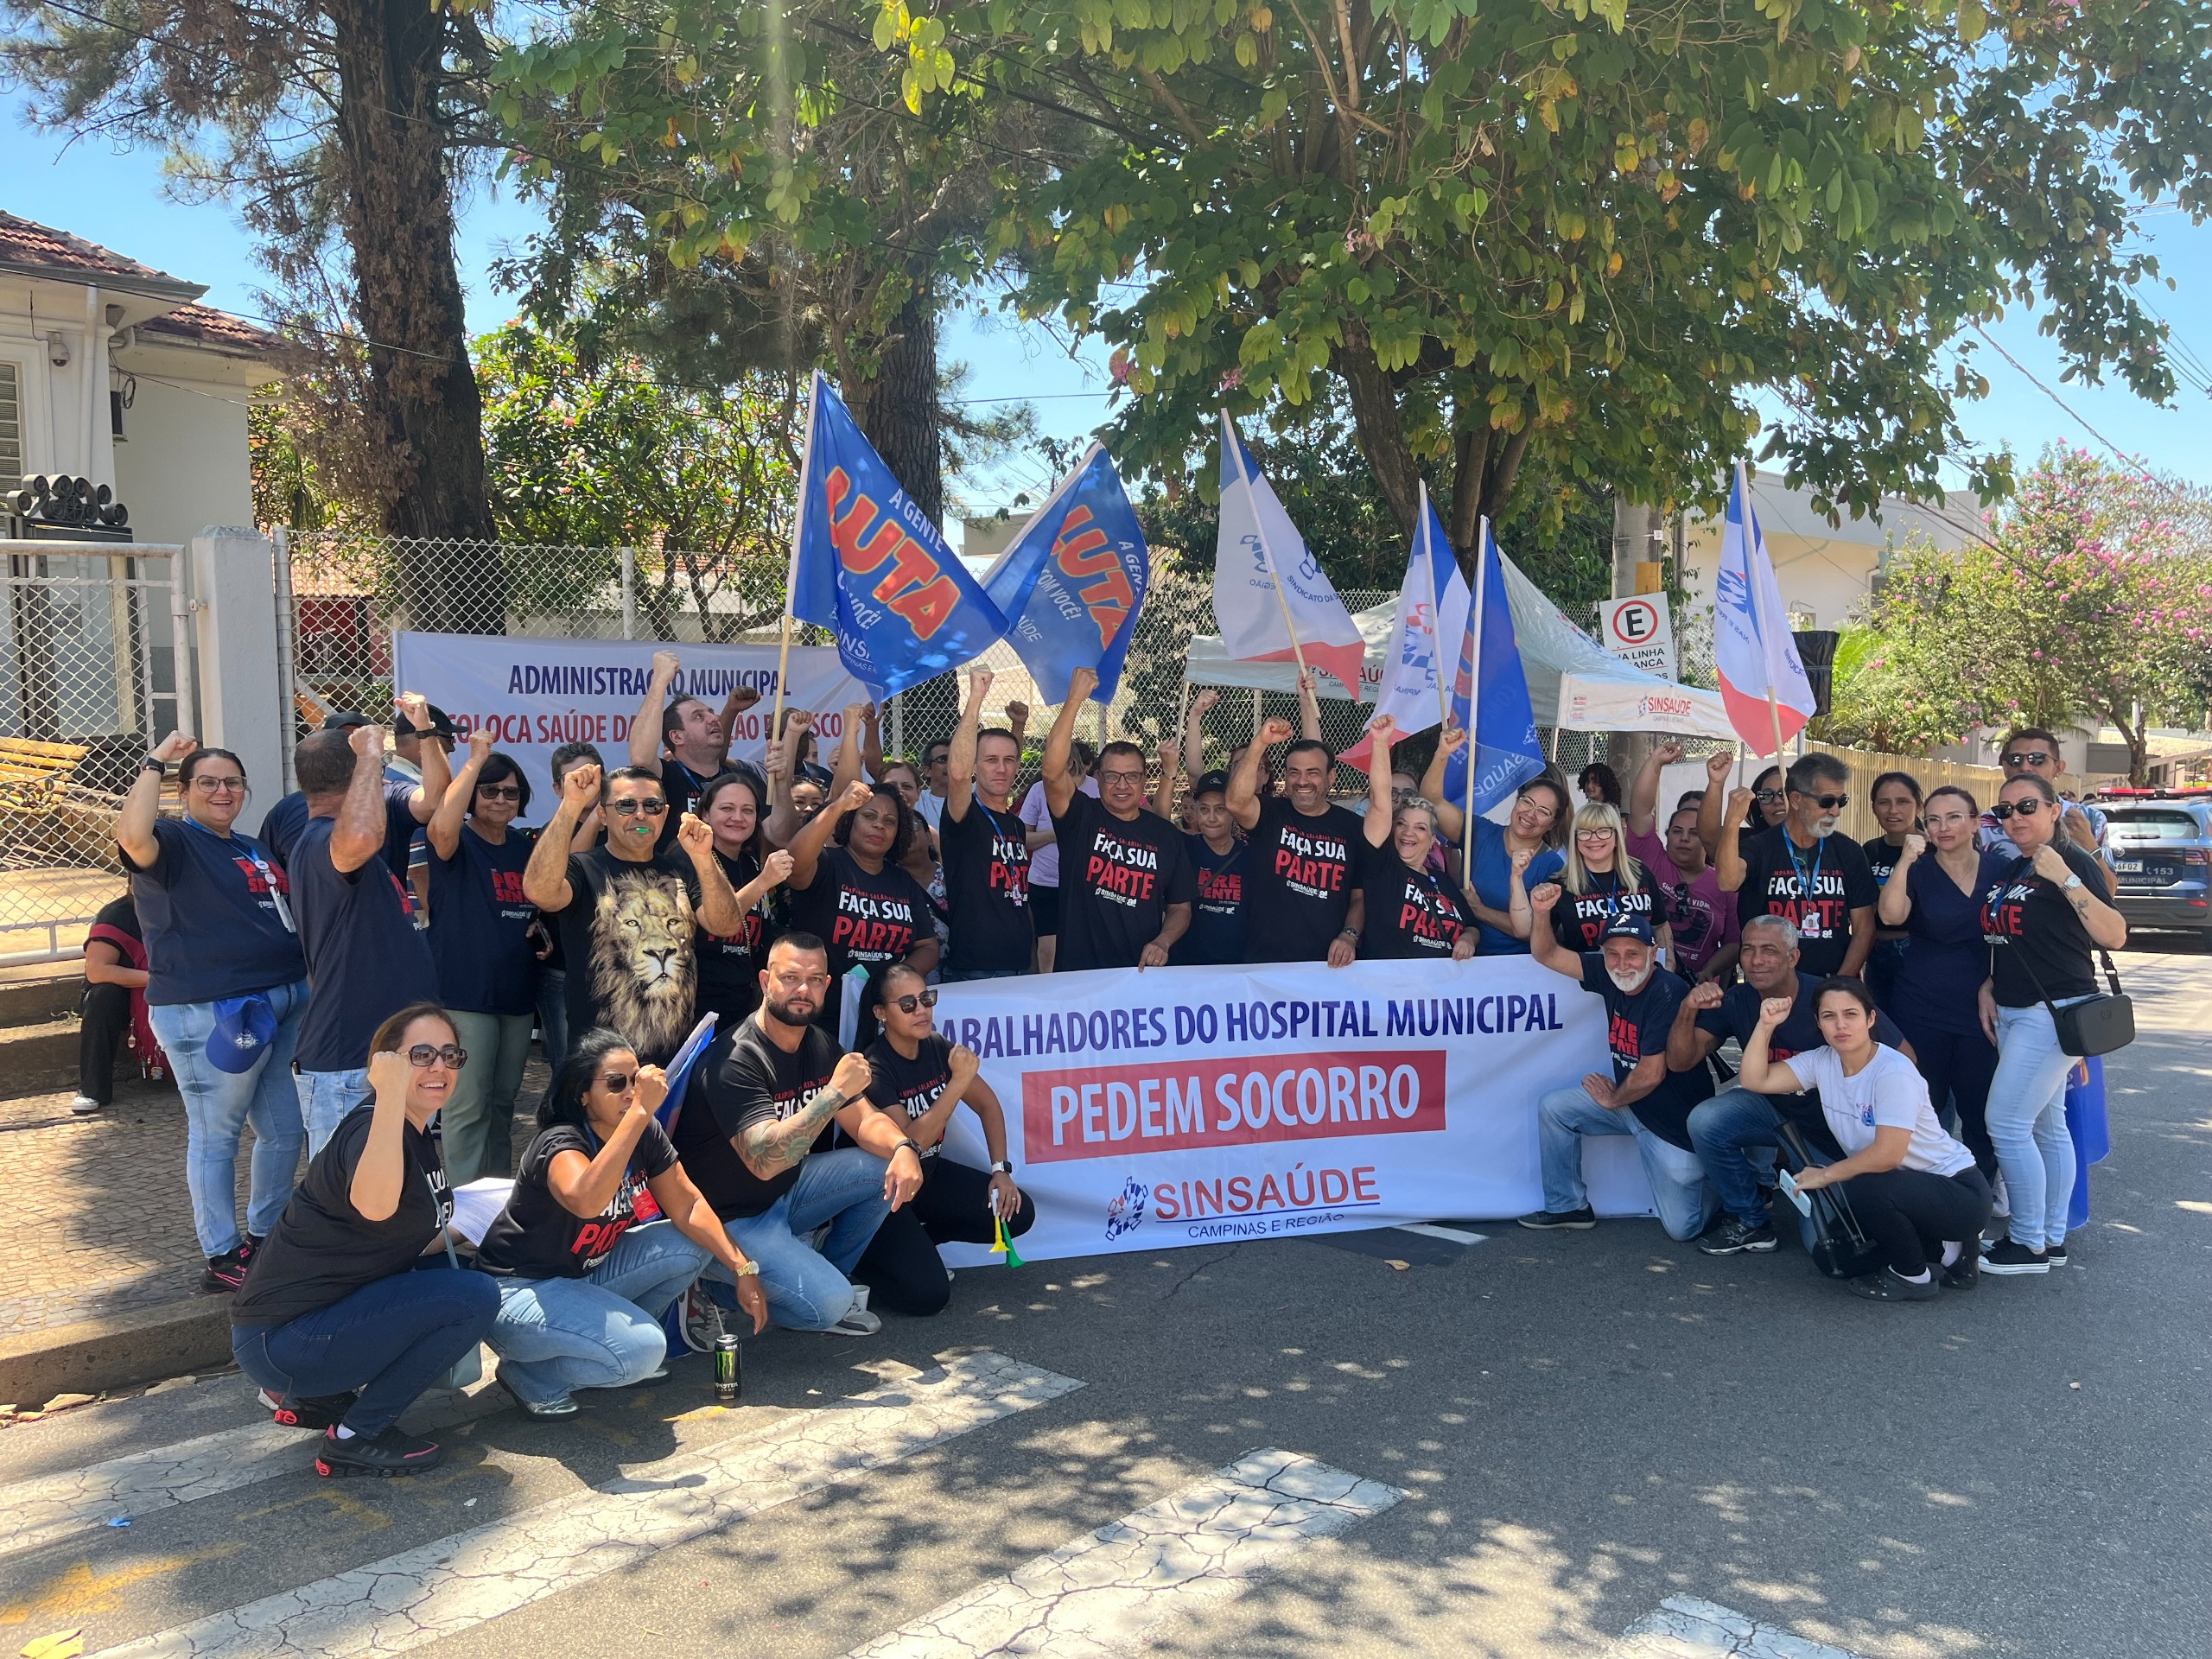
(538, 694)
(1196, 1105)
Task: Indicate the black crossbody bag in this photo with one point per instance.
(2096, 1025)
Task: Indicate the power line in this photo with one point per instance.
(2118, 455)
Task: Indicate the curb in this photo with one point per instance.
(101, 1355)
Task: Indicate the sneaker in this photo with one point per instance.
(562, 1406)
(857, 1322)
(1963, 1273)
(2006, 1257)
(1575, 1221)
(316, 1412)
(386, 1454)
(84, 1106)
(2056, 1253)
(1732, 1236)
(702, 1320)
(227, 1272)
(1887, 1287)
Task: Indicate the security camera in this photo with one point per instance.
(57, 350)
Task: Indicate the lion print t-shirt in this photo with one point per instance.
(627, 935)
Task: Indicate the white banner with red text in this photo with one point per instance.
(1148, 1111)
(537, 695)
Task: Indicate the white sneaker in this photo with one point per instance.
(857, 1322)
(84, 1106)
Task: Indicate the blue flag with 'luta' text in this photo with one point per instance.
(1072, 581)
(1508, 752)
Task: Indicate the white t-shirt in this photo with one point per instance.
(1045, 862)
(931, 805)
(1888, 1093)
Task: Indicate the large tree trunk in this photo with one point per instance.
(395, 199)
(899, 409)
(1382, 434)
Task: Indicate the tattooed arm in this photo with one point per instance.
(774, 1145)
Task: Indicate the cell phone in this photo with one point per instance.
(1790, 1188)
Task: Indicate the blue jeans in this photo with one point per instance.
(808, 1290)
(599, 1331)
(1721, 1129)
(1678, 1188)
(329, 1096)
(219, 1104)
(477, 1126)
(2027, 1125)
(391, 1338)
(553, 1014)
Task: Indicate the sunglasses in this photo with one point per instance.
(618, 1083)
(1769, 797)
(631, 809)
(499, 791)
(2038, 757)
(914, 1000)
(1830, 802)
(2005, 809)
(423, 1055)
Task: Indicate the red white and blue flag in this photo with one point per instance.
(1265, 582)
(1752, 646)
(1432, 619)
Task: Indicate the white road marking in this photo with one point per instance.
(449, 1586)
(1686, 1627)
(1437, 1230)
(1102, 1594)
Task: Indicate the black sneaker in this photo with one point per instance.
(1732, 1236)
(2056, 1253)
(227, 1272)
(386, 1454)
(1577, 1221)
(317, 1412)
(702, 1320)
(1887, 1287)
(2006, 1257)
(1963, 1273)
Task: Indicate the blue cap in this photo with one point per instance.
(244, 1027)
(1629, 927)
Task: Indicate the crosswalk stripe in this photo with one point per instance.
(1437, 1230)
(1104, 1593)
(1687, 1628)
(451, 1584)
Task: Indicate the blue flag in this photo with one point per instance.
(1507, 751)
(869, 566)
(1071, 585)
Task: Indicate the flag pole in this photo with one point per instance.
(1443, 697)
(1774, 714)
(1268, 552)
(1475, 621)
(791, 578)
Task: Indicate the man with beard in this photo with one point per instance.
(755, 1139)
(1736, 1123)
(1641, 1097)
(1302, 898)
(684, 743)
(1803, 870)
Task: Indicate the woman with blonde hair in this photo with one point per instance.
(1601, 884)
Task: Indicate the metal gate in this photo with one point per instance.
(95, 668)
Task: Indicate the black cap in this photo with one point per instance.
(344, 720)
(1214, 783)
(441, 725)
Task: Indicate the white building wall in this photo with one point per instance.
(184, 464)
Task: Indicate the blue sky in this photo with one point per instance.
(117, 199)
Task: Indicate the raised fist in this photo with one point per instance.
(652, 1089)
(174, 747)
(388, 1072)
(1544, 898)
(1914, 845)
(1201, 702)
(696, 834)
(666, 664)
(1774, 1010)
(857, 795)
(1451, 740)
(366, 741)
(1384, 729)
(416, 707)
(581, 787)
(480, 746)
(852, 1076)
(776, 868)
(1703, 995)
(1274, 729)
(979, 685)
(1666, 752)
(1082, 683)
(1739, 804)
(1718, 763)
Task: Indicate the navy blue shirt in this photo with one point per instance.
(367, 958)
(480, 926)
(1939, 979)
(1636, 1024)
(1216, 936)
(281, 824)
(210, 916)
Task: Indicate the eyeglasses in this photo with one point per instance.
(1120, 776)
(424, 1055)
(631, 809)
(2038, 758)
(1769, 797)
(1593, 835)
(215, 786)
(2005, 809)
(1830, 802)
(499, 791)
(914, 1000)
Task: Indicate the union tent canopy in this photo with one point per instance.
(1574, 682)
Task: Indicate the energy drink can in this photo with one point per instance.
(730, 1370)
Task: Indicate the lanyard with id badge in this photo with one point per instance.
(238, 843)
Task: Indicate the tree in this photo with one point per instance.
(1573, 239)
(2089, 602)
(336, 125)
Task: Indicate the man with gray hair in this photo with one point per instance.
(1734, 1132)
(1803, 870)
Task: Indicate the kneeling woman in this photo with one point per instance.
(582, 1287)
(920, 1077)
(1914, 1189)
(332, 1303)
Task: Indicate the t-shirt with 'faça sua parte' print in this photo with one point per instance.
(1117, 878)
(1299, 892)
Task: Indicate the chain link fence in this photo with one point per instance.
(90, 679)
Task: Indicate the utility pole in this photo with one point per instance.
(1639, 541)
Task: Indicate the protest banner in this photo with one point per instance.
(1179, 1106)
(537, 694)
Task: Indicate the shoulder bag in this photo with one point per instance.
(2099, 1023)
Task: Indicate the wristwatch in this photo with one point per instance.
(154, 763)
(1004, 1166)
(2069, 884)
(747, 1270)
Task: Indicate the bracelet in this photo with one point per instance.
(906, 1144)
(1004, 1166)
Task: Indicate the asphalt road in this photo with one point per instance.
(1582, 1426)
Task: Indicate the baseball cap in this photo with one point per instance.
(441, 725)
(344, 720)
(244, 1027)
(1214, 783)
(1627, 927)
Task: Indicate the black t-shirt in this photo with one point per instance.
(280, 825)
(1411, 914)
(907, 1089)
(2033, 927)
(752, 1082)
(865, 919)
(1881, 858)
(1579, 919)
(1637, 1025)
(1216, 936)
(627, 934)
(535, 1237)
(1117, 878)
(481, 926)
(211, 926)
(729, 969)
(1816, 887)
(1302, 875)
(681, 786)
(1738, 1016)
(322, 1249)
(367, 955)
(986, 858)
